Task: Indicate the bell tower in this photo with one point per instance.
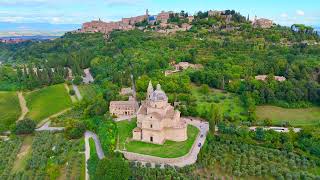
(150, 90)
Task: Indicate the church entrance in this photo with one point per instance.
(151, 139)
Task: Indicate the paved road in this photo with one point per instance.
(76, 90)
(46, 127)
(44, 121)
(277, 129)
(23, 106)
(87, 136)
(188, 159)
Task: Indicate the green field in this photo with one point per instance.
(169, 149)
(296, 117)
(228, 103)
(89, 91)
(9, 109)
(47, 101)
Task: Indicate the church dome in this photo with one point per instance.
(158, 94)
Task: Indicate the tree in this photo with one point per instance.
(215, 117)
(74, 129)
(112, 168)
(204, 89)
(260, 134)
(77, 80)
(26, 126)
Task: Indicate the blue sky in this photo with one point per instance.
(285, 12)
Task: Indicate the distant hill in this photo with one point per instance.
(37, 37)
(32, 29)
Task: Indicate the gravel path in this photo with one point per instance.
(44, 121)
(46, 127)
(76, 90)
(23, 106)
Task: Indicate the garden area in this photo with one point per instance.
(51, 156)
(8, 152)
(9, 108)
(228, 103)
(47, 101)
(295, 117)
(169, 149)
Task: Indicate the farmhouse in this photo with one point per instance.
(264, 78)
(157, 121)
(124, 108)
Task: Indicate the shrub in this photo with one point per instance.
(72, 92)
(267, 122)
(26, 126)
(216, 100)
(223, 97)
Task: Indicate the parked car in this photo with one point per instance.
(199, 145)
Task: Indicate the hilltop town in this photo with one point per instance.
(164, 22)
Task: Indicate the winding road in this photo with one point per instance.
(87, 136)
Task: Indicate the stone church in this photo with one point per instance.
(157, 121)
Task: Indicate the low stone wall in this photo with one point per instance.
(187, 159)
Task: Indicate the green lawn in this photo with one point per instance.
(9, 109)
(47, 101)
(89, 91)
(228, 103)
(169, 149)
(296, 117)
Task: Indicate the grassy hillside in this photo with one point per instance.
(228, 103)
(47, 101)
(9, 109)
(296, 117)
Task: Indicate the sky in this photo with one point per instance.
(21, 15)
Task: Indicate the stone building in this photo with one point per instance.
(215, 13)
(126, 91)
(124, 108)
(262, 23)
(157, 121)
(190, 18)
(163, 17)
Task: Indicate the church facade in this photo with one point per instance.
(157, 121)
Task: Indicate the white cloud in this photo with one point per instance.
(123, 2)
(300, 13)
(284, 15)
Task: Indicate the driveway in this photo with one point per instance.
(87, 136)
